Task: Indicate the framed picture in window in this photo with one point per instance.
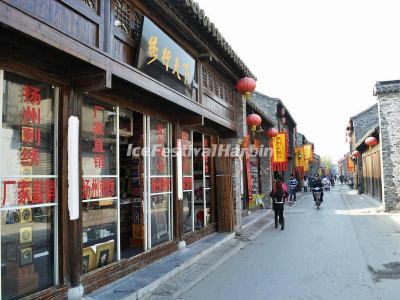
(26, 215)
(88, 260)
(25, 235)
(26, 256)
(125, 122)
(104, 254)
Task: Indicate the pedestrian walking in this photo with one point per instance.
(292, 189)
(278, 196)
(305, 184)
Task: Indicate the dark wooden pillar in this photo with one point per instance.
(224, 167)
(75, 226)
(178, 204)
(63, 186)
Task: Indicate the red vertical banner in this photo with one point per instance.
(248, 175)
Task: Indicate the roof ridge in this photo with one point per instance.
(364, 111)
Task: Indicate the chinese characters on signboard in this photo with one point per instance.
(163, 59)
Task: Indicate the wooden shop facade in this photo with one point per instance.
(142, 78)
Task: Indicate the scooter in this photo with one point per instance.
(317, 193)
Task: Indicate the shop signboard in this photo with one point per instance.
(163, 59)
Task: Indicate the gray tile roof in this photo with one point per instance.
(268, 104)
(384, 87)
(191, 13)
(364, 121)
(253, 105)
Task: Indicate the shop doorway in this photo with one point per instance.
(202, 180)
(131, 183)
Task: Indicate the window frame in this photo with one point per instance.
(55, 176)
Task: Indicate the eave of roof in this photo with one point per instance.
(385, 87)
(363, 112)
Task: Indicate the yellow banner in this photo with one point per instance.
(279, 148)
(306, 165)
(350, 164)
(308, 152)
(299, 156)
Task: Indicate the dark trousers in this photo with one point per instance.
(292, 194)
(278, 209)
(305, 189)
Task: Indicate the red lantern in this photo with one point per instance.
(272, 132)
(246, 86)
(253, 121)
(356, 153)
(371, 141)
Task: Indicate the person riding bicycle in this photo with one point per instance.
(317, 183)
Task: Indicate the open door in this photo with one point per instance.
(225, 199)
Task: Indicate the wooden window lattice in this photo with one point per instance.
(122, 16)
(91, 3)
(137, 23)
(204, 77)
(213, 84)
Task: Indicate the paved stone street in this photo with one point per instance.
(347, 250)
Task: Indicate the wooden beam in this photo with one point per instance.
(91, 83)
(193, 120)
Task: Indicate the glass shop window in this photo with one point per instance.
(187, 174)
(28, 183)
(160, 181)
(99, 184)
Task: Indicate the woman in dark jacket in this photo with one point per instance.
(278, 195)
